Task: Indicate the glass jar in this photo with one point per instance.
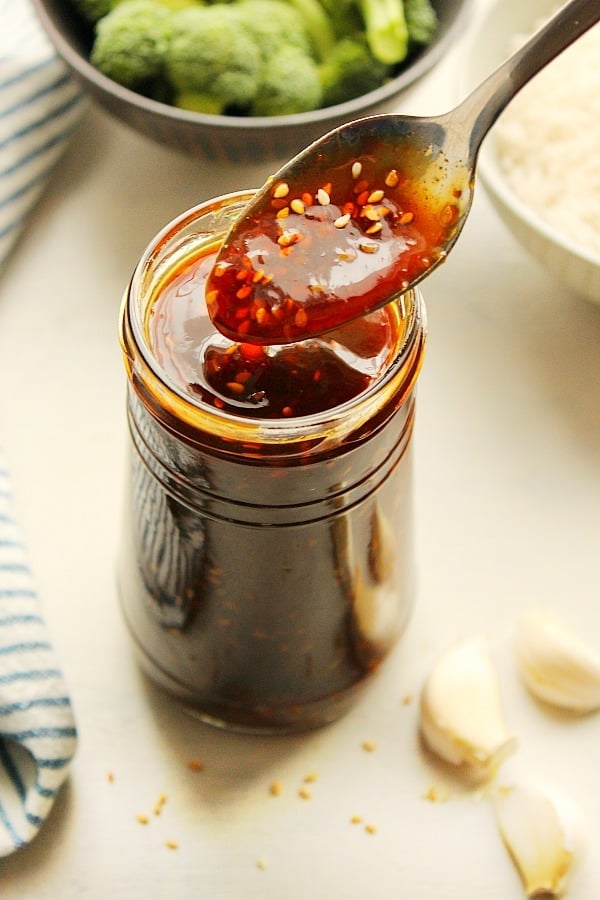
(267, 564)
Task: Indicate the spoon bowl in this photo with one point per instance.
(368, 210)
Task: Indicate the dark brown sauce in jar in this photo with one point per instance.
(267, 562)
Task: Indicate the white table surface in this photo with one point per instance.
(507, 491)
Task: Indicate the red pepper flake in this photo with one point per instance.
(251, 351)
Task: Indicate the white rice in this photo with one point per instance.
(548, 143)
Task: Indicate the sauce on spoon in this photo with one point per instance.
(315, 254)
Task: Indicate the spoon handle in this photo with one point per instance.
(484, 105)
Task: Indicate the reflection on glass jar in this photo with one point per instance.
(267, 562)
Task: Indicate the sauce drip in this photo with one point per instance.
(312, 257)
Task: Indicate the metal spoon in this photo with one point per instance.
(304, 294)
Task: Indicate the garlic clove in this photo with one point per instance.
(556, 665)
(540, 833)
(461, 713)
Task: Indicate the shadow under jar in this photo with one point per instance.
(266, 566)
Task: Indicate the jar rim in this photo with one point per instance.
(143, 366)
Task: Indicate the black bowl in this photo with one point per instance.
(234, 138)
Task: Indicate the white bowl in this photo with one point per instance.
(490, 43)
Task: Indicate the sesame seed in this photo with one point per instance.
(305, 793)
(281, 190)
(261, 864)
(283, 213)
(342, 221)
(369, 746)
(376, 196)
(142, 819)
(356, 820)
(235, 387)
(287, 238)
(276, 788)
(297, 206)
(323, 197)
(346, 255)
(171, 845)
(392, 178)
(430, 795)
(356, 169)
(368, 247)
(406, 217)
(371, 213)
(375, 228)
(371, 829)
(310, 777)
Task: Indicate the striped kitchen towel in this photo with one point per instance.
(39, 107)
(37, 728)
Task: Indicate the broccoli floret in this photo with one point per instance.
(318, 25)
(176, 5)
(345, 17)
(421, 20)
(290, 84)
(131, 42)
(92, 10)
(350, 71)
(272, 23)
(386, 29)
(212, 62)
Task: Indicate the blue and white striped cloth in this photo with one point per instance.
(39, 106)
(37, 728)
